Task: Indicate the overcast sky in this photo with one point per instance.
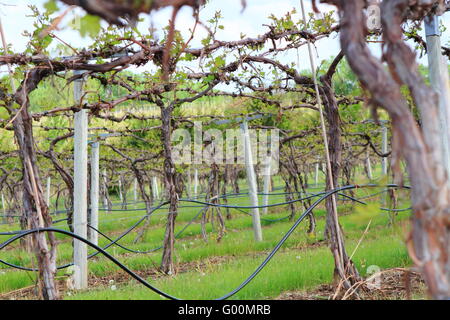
(250, 22)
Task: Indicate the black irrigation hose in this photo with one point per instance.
(91, 255)
(116, 204)
(283, 203)
(166, 295)
(196, 216)
(105, 253)
(112, 242)
(231, 195)
(103, 209)
(206, 205)
(60, 220)
(177, 235)
(349, 198)
(181, 207)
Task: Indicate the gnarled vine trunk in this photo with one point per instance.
(344, 267)
(430, 237)
(35, 211)
(172, 190)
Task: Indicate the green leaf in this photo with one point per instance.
(90, 26)
(219, 62)
(51, 6)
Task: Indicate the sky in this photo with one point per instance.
(235, 20)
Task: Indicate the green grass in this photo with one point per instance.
(15, 280)
(233, 244)
(292, 270)
(242, 252)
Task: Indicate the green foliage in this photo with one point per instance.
(51, 6)
(90, 26)
(39, 41)
(314, 23)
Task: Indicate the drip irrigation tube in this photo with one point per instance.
(166, 295)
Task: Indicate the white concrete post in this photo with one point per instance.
(439, 79)
(384, 161)
(267, 176)
(155, 188)
(120, 189)
(105, 199)
(316, 178)
(196, 183)
(251, 179)
(189, 187)
(135, 191)
(47, 192)
(3, 206)
(80, 190)
(369, 168)
(95, 177)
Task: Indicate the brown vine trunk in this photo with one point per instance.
(66, 177)
(35, 211)
(345, 270)
(148, 199)
(299, 186)
(212, 196)
(224, 191)
(419, 146)
(170, 181)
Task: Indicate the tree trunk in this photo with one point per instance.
(148, 199)
(170, 181)
(430, 238)
(35, 211)
(344, 267)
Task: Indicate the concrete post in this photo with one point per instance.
(80, 190)
(155, 188)
(189, 186)
(384, 161)
(439, 79)
(369, 168)
(95, 177)
(267, 176)
(120, 189)
(316, 178)
(105, 186)
(135, 191)
(4, 207)
(196, 183)
(251, 179)
(48, 191)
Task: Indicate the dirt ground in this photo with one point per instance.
(393, 284)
